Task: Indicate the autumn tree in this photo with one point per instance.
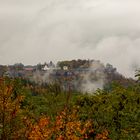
(10, 101)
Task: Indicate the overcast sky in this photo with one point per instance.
(33, 31)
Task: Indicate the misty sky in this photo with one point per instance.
(33, 31)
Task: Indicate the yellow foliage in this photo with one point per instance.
(66, 126)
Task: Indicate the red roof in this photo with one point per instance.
(28, 69)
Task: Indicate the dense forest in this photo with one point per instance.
(32, 111)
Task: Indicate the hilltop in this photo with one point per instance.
(79, 75)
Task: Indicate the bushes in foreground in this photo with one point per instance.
(45, 115)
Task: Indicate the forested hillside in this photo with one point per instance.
(40, 112)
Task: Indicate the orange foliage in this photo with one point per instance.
(67, 126)
(102, 136)
(9, 108)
